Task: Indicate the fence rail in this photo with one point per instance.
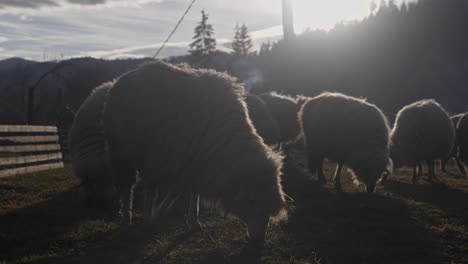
(27, 149)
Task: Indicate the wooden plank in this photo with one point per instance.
(13, 128)
(29, 148)
(29, 159)
(30, 169)
(30, 139)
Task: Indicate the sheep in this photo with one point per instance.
(349, 131)
(422, 132)
(188, 131)
(462, 139)
(88, 150)
(284, 109)
(454, 153)
(264, 123)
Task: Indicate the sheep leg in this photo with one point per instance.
(320, 174)
(127, 202)
(125, 179)
(171, 204)
(150, 196)
(443, 165)
(193, 212)
(316, 166)
(461, 167)
(420, 170)
(414, 179)
(337, 177)
(156, 209)
(430, 165)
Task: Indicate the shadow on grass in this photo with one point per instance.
(452, 201)
(353, 228)
(40, 230)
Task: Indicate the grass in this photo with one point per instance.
(42, 221)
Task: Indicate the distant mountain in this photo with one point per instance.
(62, 91)
(59, 92)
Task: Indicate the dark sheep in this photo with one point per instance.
(284, 110)
(454, 153)
(462, 139)
(349, 131)
(188, 131)
(88, 150)
(264, 123)
(422, 132)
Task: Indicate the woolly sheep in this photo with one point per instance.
(454, 153)
(284, 109)
(88, 150)
(462, 139)
(187, 130)
(348, 131)
(422, 132)
(264, 123)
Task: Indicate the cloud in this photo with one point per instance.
(33, 4)
(38, 4)
(87, 2)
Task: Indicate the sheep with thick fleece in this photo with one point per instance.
(454, 153)
(462, 139)
(349, 131)
(264, 123)
(188, 130)
(422, 132)
(88, 150)
(284, 110)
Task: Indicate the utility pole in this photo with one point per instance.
(288, 21)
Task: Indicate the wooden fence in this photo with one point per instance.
(27, 149)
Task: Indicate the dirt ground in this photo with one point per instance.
(42, 221)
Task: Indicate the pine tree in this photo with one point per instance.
(242, 43)
(203, 43)
(265, 48)
(237, 42)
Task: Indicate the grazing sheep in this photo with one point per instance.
(266, 126)
(422, 132)
(348, 131)
(454, 153)
(284, 109)
(88, 150)
(187, 131)
(462, 139)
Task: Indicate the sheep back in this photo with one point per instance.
(264, 123)
(422, 131)
(347, 130)
(284, 109)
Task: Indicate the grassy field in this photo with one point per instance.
(42, 221)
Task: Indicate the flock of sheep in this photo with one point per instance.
(194, 132)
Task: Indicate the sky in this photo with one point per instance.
(59, 29)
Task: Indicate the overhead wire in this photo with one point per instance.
(174, 30)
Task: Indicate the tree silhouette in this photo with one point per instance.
(203, 43)
(242, 43)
